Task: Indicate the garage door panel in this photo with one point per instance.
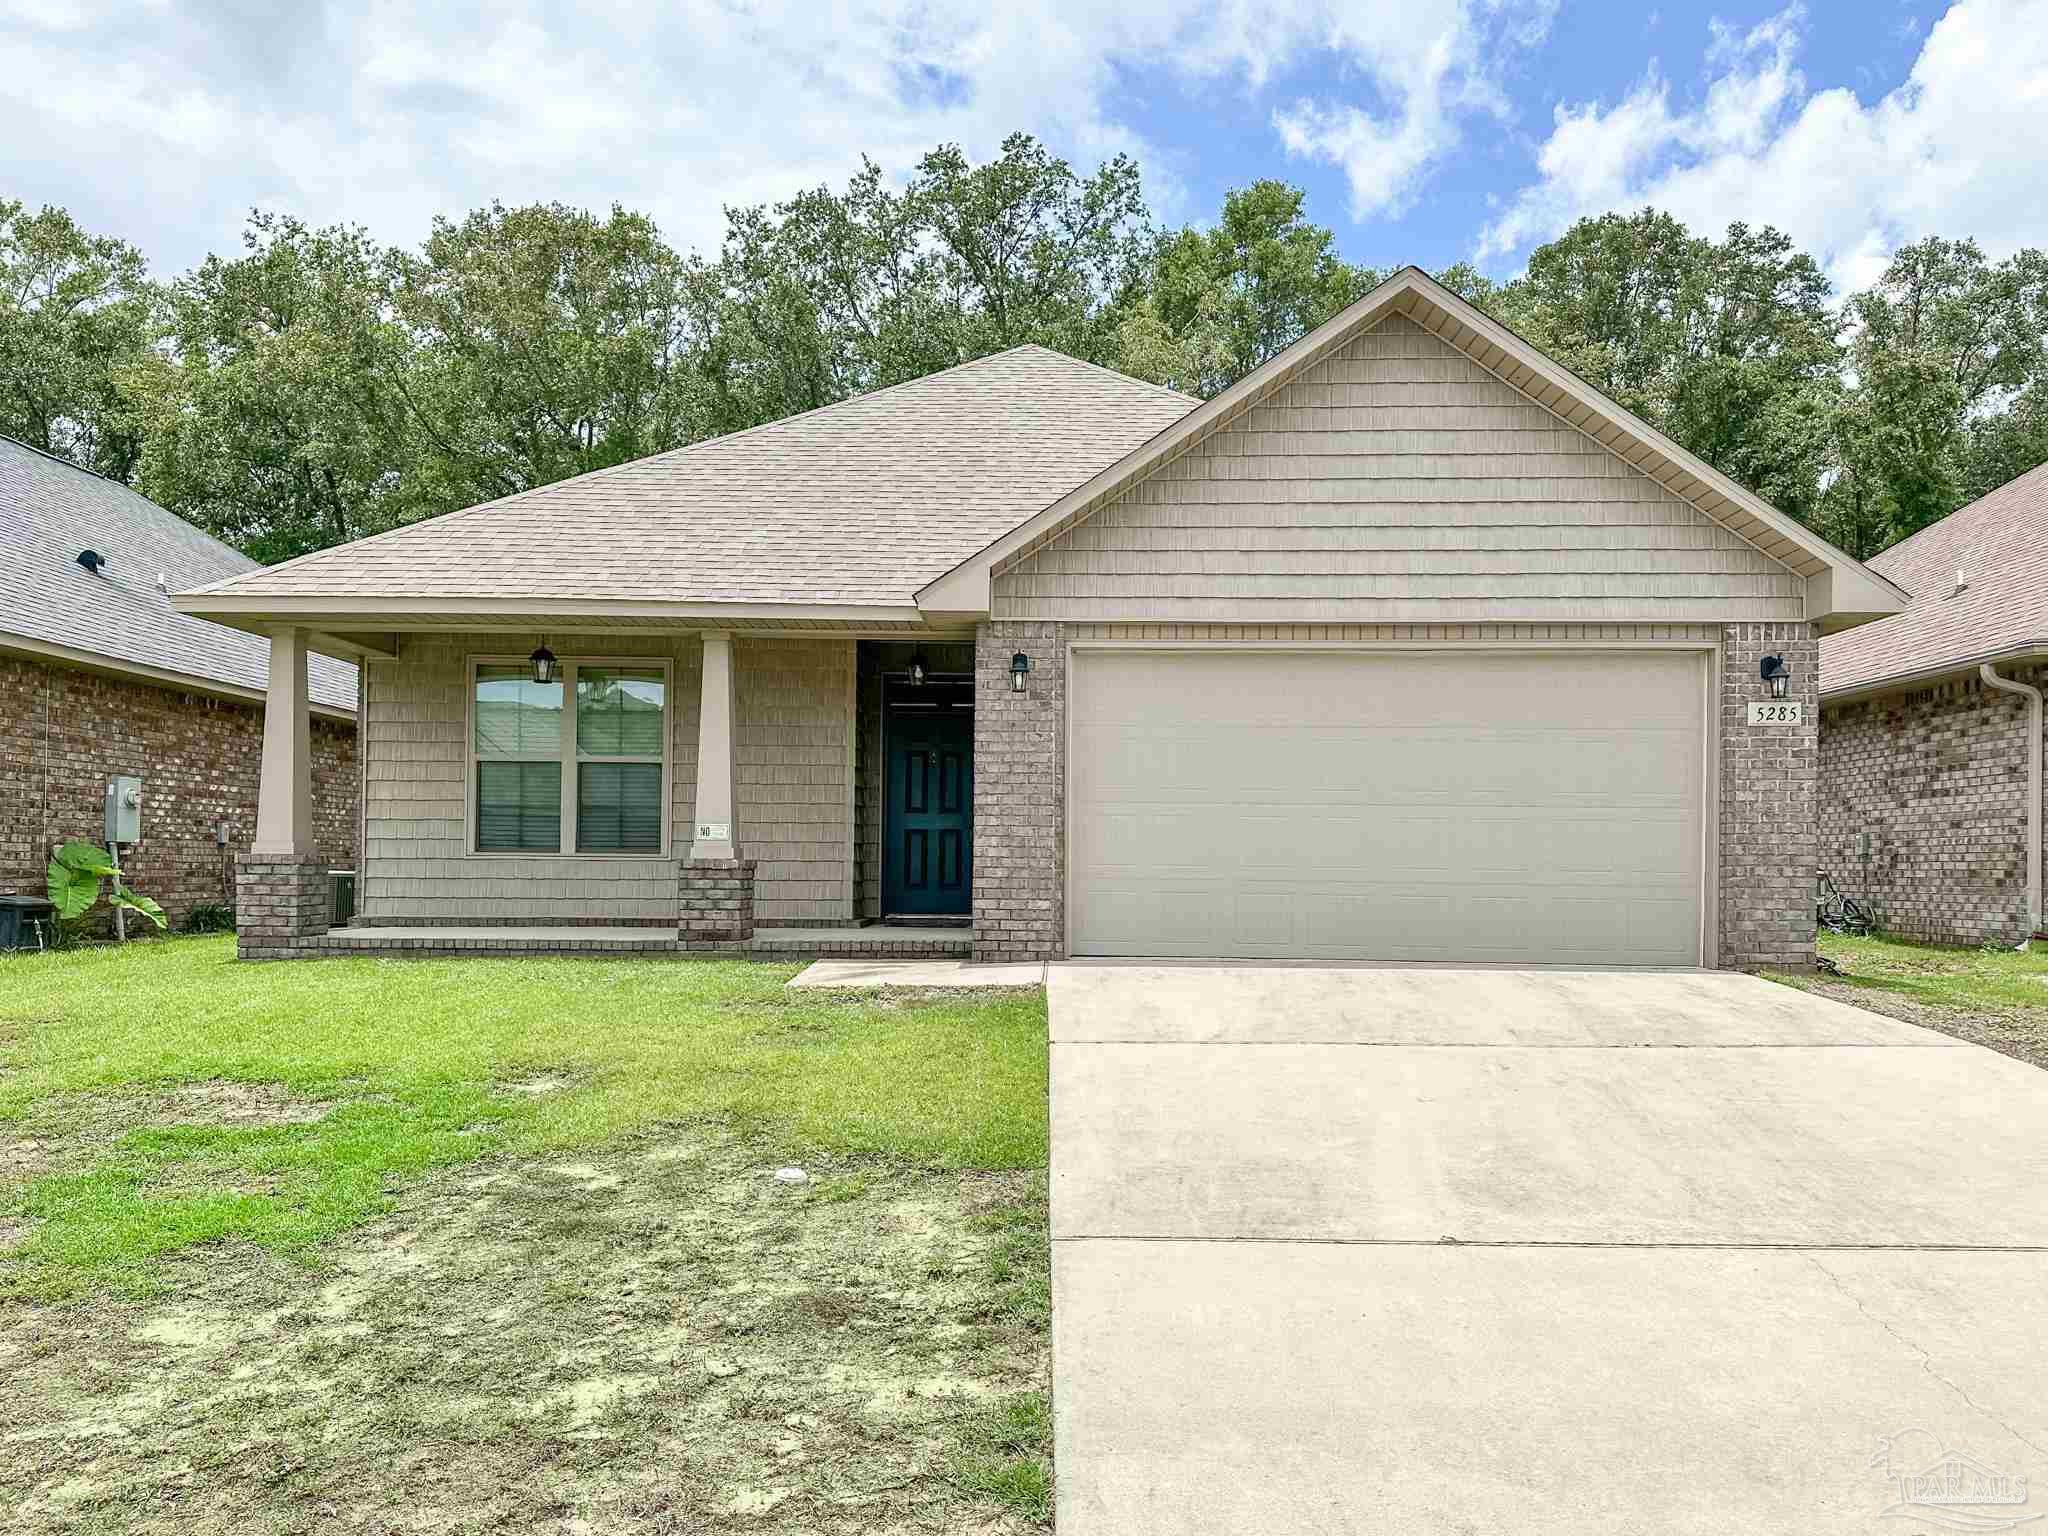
(1209, 819)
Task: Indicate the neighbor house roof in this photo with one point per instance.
(120, 620)
(847, 509)
(1839, 590)
(1999, 543)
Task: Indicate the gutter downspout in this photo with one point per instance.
(2033, 698)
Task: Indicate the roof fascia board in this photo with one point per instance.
(245, 610)
(158, 677)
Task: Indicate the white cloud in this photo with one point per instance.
(166, 124)
(1429, 72)
(1954, 150)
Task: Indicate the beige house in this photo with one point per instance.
(1410, 646)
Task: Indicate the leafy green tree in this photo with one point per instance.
(75, 309)
(280, 422)
(545, 342)
(1730, 347)
(1226, 299)
(1950, 355)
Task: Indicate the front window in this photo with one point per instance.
(578, 763)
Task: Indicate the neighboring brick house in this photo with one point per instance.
(1409, 646)
(1930, 777)
(100, 675)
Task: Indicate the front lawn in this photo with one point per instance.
(1995, 996)
(496, 1244)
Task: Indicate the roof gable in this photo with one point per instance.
(1999, 545)
(1838, 590)
(1395, 480)
(120, 618)
(855, 504)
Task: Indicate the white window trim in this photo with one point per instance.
(568, 757)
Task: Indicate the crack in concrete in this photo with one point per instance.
(1926, 1359)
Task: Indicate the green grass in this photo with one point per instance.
(419, 1065)
(1007, 1457)
(1996, 979)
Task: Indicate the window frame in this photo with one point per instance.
(568, 757)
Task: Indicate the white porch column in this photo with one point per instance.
(284, 804)
(716, 835)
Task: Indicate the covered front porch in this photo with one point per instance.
(615, 791)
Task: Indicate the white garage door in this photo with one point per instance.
(1532, 807)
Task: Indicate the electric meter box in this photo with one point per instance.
(124, 810)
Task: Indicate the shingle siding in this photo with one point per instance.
(792, 746)
(1397, 481)
(1923, 813)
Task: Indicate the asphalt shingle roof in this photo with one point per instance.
(50, 510)
(859, 503)
(2000, 544)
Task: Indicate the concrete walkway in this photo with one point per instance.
(1420, 1251)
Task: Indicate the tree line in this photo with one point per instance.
(318, 386)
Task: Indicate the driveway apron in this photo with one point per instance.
(1412, 1251)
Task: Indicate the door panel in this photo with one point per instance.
(1528, 807)
(927, 826)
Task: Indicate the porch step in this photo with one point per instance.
(436, 940)
(870, 943)
(875, 942)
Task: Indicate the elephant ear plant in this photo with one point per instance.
(76, 871)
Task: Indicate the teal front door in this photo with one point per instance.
(928, 822)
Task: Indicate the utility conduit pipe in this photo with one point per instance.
(2033, 698)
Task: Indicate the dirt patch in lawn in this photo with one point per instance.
(663, 1338)
(2020, 1033)
(64, 1132)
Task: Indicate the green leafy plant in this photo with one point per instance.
(211, 917)
(76, 871)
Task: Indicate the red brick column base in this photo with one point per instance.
(279, 905)
(715, 905)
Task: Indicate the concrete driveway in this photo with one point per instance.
(1415, 1251)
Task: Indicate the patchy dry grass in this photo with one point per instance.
(1995, 997)
(495, 1246)
(655, 1338)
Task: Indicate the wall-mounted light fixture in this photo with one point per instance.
(1772, 670)
(1020, 664)
(544, 667)
(917, 669)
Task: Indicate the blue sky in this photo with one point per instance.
(1424, 130)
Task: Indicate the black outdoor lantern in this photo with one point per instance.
(544, 668)
(1772, 670)
(917, 670)
(1019, 665)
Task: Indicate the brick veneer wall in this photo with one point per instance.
(64, 732)
(1019, 794)
(1923, 808)
(1769, 810)
(1768, 782)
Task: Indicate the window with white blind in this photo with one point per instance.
(578, 764)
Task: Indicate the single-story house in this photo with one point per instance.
(1409, 646)
(1930, 805)
(101, 677)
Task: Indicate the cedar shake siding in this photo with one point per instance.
(1397, 481)
(793, 783)
(65, 731)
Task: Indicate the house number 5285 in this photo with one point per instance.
(1778, 712)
